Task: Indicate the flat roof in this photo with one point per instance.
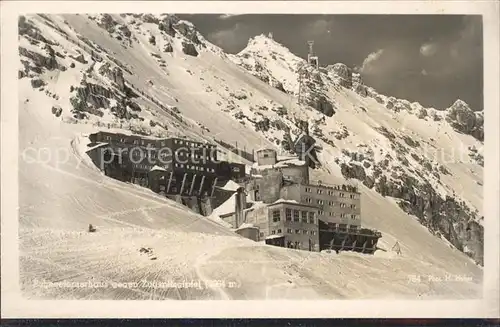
(247, 225)
(96, 146)
(292, 203)
(270, 237)
(152, 138)
(265, 149)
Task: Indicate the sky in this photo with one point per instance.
(432, 59)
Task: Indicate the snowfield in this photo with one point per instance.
(61, 193)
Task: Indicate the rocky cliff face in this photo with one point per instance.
(94, 98)
(314, 92)
(116, 29)
(262, 73)
(115, 74)
(102, 89)
(189, 31)
(166, 24)
(27, 29)
(358, 86)
(445, 216)
(189, 49)
(341, 74)
(464, 120)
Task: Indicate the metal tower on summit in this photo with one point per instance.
(304, 72)
(311, 58)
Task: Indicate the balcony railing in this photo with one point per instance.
(347, 187)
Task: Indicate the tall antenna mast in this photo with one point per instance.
(311, 58)
(303, 72)
(311, 52)
(300, 83)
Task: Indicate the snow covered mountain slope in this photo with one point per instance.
(203, 96)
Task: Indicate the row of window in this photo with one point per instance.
(330, 203)
(194, 144)
(333, 214)
(139, 166)
(304, 216)
(153, 153)
(163, 143)
(123, 140)
(298, 216)
(194, 167)
(296, 231)
(329, 192)
(142, 142)
(344, 226)
(138, 155)
(153, 156)
(193, 155)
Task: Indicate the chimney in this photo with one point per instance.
(239, 203)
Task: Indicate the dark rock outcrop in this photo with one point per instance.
(36, 83)
(358, 86)
(238, 95)
(167, 25)
(115, 74)
(188, 31)
(152, 39)
(134, 106)
(26, 28)
(476, 156)
(149, 18)
(168, 48)
(314, 91)
(107, 22)
(464, 120)
(80, 58)
(320, 103)
(408, 140)
(422, 113)
(478, 131)
(353, 171)
(189, 49)
(39, 60)
(342, 134)
(90, 98)
(262, 73)
(461, 117)
(93, 95)
(57, 110)
(360, 89)
(277, 85)
(125, 31)
(390, 103)
(342, 73)
(262, 125)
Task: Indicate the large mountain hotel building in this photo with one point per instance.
(169, 166)
(276, 203)
(290, 210)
